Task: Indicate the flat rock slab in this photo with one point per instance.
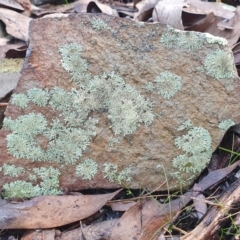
(104, 102)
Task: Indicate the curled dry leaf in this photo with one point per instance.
(12, 4)
(145, 10)
(203, 24)
(16, 23)
(96, 7)
(51, 211)
(231, 35)
(219, 9)
(170, 14)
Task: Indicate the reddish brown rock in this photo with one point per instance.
(181, 73)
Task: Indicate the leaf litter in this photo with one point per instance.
(146, 216)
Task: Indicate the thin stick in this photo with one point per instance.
(3, 104)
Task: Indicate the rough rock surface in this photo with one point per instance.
(153, 99)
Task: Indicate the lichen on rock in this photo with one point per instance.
(106, 112)
(196, 145)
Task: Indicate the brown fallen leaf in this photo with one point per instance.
(129, 225)
(170, 14)
(203, 24)
(121, 206)
(51, 211)
(147, 217)
(219, 9)
(95, 231)
(48, 234)
(232, 35)
(16, 23)
(145, 10)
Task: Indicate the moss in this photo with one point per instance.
(219, 64)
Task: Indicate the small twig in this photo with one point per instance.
(179, 230)
(3, 104)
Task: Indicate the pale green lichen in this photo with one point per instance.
(185, 126)
(98, 24)
(112, 141)
(32, 177)
(29, 125)
(110, 172)
(219, 64)
(127, 109)
(188, 41)
(21, 100)
(124, 175)
(20, 189)
(213, 39)
(8, 123)
(50, 180)
(69, 135)
(168, 84)
(73, 63)
(196, 145)
(148, 87)
(170, 38)
(49, 184)
(12, 170)
(22, 147)
(87, 169)
(226, 124)
(38, 96)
